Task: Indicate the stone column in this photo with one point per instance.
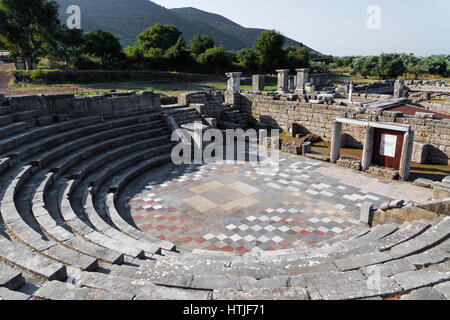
(407, 150)
(399, 88)
(302, 79)
(335, 152)
(283, 80)
(258, 83)
(350, 92)
(234, 81)
(368, 148)
(292, 83)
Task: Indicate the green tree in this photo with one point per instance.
(103, 45)
(390, 66)
(68, 45)
(178, 57)
(159, 36)
(200, 43)
(28, 27)
(437, 65)
(247, 59)
(269, 48)
(297, 57)
(216, 59)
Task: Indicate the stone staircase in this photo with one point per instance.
(65, 234)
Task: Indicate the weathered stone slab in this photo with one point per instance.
(6, 294)
(294, 270)
(356, 262)
(444, 289)
(215, 282)
(262, 294)
(432, 256)
(402, 235)
(418, 279)
(328, 278)
(424, 294)
(10, 278)
(390, 268)
(163, 293)
(55, 290)
(354, 290)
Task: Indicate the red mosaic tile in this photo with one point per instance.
(159, 228)
(172, 210)
(269, 249)
(200, 240)
(187, 239)
(320, 233)
(146, 228)
(284, 243)
(283, 222)
(161, 237)
(227, 249)
(241, 250)
(151, 202)
(184, 219)
(312, 242)
(161, 218)
(304, 232)
(212, 248)
(172, 228)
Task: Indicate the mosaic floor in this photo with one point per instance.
(236, 208)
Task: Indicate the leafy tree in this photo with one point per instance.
(159, 36)
(247, 59)
(390, 66)
(28, 27)
(437, 65)
(216, 59)
(318, 67)
(103, 45)
(269, 48)
(297, 57)
(68, 45)
(200, 43)
(178, 57)
(365, 66)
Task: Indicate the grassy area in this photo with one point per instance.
(171, 88)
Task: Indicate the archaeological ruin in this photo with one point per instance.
(92, 206)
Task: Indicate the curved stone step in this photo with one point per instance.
(124, 227)
(30, 233)
(7, 294)
(103, 227)
(21, 257)
(87, 231)
(38, 133)
(55, 290)
(58, 231)
(10, 278)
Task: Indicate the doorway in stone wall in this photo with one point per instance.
(387, 148)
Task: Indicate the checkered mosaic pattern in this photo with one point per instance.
(236, 208)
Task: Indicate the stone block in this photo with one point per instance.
(420, 152)
(365, 216)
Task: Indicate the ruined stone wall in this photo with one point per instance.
(108, 105)
(318, 119)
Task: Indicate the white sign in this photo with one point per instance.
(388, 145)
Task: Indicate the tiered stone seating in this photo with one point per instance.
(62, 215)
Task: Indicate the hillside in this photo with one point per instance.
(128, 18)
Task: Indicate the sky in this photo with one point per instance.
(340, 27)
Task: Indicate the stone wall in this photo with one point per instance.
(111, 104)
(318, 119)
